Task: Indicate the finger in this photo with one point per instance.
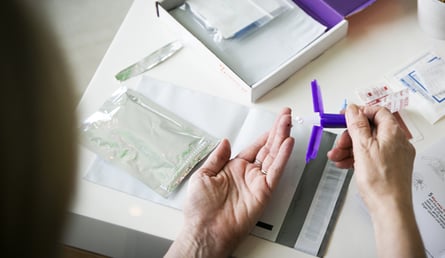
(275, 139)
(280, 131)
(262, 145)
(276, 169)
(358, 125)
(344, 141)
(377, 114)
(343, 158)
(345, 164)
(342, 149)
(388, 129)
(338, 154)
(381, 117)
(217, 159)
(251, 152)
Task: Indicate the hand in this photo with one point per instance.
(383, 161)
(226, 197)
(382, 155)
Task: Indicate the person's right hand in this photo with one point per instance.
(383, 159)
(381, 154)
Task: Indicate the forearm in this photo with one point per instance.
(396, 231)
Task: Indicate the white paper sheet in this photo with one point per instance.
(429, 198)
(223, 119)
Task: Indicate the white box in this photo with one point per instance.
(330, 13)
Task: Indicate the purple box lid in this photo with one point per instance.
(331, 12)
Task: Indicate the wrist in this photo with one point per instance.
(396, 229)
(390, 208)
(198, 242)
(386, 204)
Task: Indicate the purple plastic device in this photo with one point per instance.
(326, 121)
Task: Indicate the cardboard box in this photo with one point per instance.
(330, 13)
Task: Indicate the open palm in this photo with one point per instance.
(227, 196)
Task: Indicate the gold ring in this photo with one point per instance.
(264, 172)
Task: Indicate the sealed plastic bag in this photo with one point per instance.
(230, 18)
(149, 142)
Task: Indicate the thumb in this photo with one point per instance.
(358, 125)
(217, 159)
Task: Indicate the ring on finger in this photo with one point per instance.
(258, 162)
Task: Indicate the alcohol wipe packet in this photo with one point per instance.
(149, 142)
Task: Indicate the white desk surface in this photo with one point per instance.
(380, 39)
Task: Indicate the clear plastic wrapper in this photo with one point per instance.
(148, 141)
(227, 19)
(424, 77)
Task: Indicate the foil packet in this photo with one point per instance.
(149, 142)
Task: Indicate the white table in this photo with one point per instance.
(380, 40)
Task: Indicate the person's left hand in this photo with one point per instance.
(226, 197)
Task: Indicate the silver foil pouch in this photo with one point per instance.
(148, 141)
